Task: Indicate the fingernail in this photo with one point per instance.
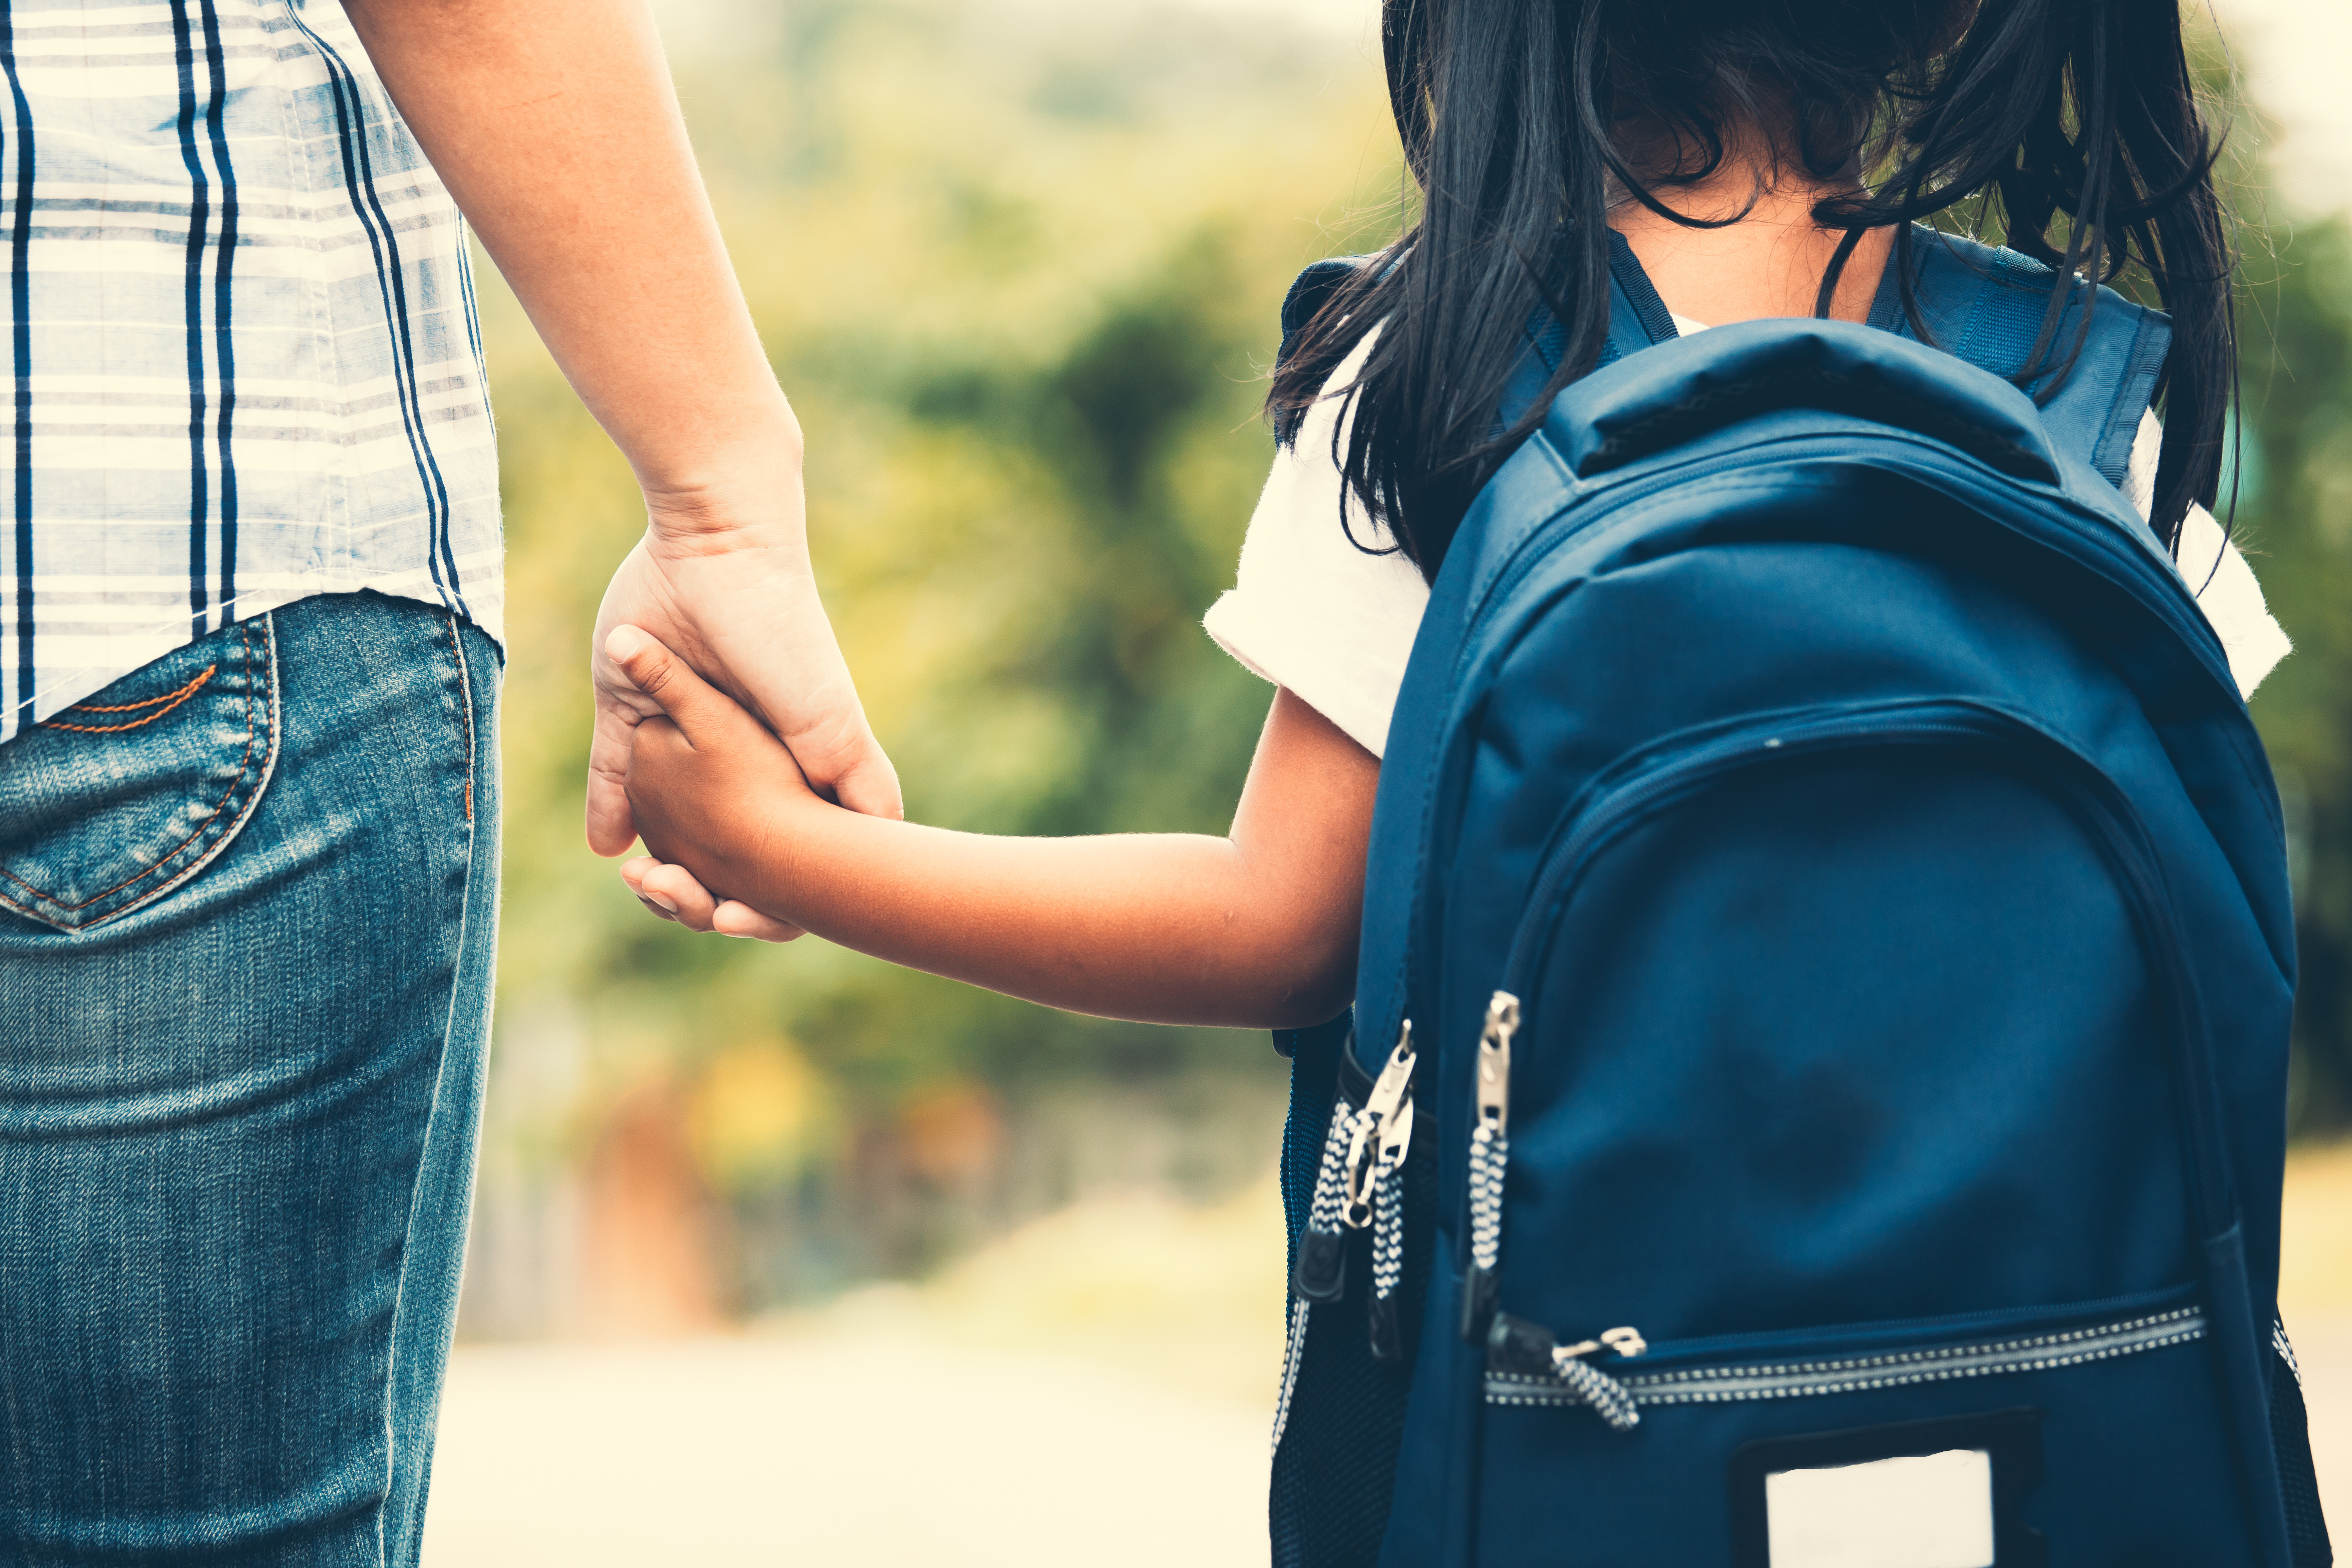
(665, 902)
(623, 640)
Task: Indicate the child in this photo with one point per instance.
(1759, 162)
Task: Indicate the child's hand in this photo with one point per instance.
(671, 892)
(707, 783)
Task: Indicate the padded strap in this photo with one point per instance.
(1986, 305)
(1981, 304)
(1637, 320)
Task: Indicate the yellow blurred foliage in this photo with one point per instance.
(2315, 1238)
(1191, 1295)
(759, 1113)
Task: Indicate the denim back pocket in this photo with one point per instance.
(113, 803)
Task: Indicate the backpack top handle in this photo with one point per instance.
(1689, 387)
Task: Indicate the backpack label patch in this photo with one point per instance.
(1914, 1494)
(1920, 1511)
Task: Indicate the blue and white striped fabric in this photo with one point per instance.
(243, 364)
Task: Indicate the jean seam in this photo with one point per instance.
(244, 772)
(466, 707)
(433, 1108)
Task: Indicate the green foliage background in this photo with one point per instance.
(1020, 273)
(1019, 269)
(2294, 490)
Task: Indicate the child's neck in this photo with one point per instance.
(1769, 263)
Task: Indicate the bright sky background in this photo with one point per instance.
(2293, 54)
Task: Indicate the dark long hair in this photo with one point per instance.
(2073, 124)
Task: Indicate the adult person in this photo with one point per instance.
(248, 771)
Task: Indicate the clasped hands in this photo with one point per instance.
(720, 583)
(714, 794)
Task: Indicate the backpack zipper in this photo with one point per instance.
(1377, 1189)
(1383, 1132)
(1523, 1353)
(1360, 1181)
(1321, 1272)
(1517, 1373)
(1490, 1155)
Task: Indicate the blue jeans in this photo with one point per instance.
(248, 903)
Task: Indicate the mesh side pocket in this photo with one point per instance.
(2306, 1528)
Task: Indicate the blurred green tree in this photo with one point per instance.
(1019, 268)
(2293, 494)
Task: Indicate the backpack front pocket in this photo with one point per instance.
(1725, 1092)
(1942, 1443)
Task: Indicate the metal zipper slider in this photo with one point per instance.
(1383, 1130)
(1396, 1140)
(1489, 1155)
(1385, 1198)
(1494, 1061)
(1626, 1342)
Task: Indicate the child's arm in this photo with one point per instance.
(1257, 928)
(554, 124)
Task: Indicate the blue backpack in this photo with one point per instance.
(1816, 1094)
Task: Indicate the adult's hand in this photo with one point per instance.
(737, 601)
(554, 124)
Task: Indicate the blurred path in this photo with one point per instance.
(2323, 1347)
(1095, 1388)
(1092, 1389)
(2316, 1299)
(895, 1453)
(870, 1448)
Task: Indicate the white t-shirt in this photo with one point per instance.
(1312, 612)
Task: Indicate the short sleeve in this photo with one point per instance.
(2216, 573)
(1311, 611)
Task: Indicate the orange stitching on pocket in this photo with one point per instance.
(244, 767)
(170, 701)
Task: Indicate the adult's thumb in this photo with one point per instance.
(870, 784)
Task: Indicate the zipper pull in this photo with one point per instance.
(1627, 1342)
(1489, 1155)
(1384, 1124)
(1494, 1061)
(1321, 1274)
(1528, 1349)
(1519, 1348)
(1388, 1234)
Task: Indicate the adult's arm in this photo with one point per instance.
(1257, 928)
(555, 127)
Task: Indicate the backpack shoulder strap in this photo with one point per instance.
(1985, 304)
(1637, 318)
(1310, 292)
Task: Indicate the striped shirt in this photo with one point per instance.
(243, 365)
